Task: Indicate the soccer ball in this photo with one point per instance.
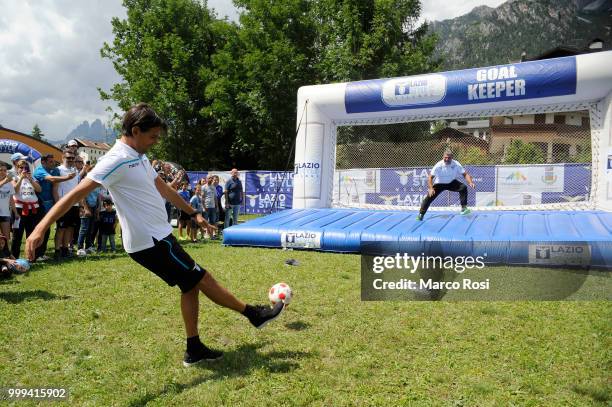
(81, 252)
(280, 292)
(23, 263)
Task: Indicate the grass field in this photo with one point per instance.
(111, 333)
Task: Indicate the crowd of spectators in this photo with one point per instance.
(219, 205)
(27, 194)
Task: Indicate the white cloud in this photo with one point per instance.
(51, 64)
(438, 10)
(224, 8)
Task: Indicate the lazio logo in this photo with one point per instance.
(388, 200)
(252, 200)
(403, 176)
(262, 179)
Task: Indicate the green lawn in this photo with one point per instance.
(111, 333)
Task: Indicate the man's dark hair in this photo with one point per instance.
(141, 116)
(107, 202)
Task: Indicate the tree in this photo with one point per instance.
(229, 91)
(371, 39)
(519, 152)
(473, 155)
(37, 133)
(163, 52)
(583, 153)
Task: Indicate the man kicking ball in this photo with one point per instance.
(444, 177)
(138, 193)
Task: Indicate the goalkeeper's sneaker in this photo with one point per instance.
(260, 315)
(466, 211)
(203, 353)
(419, 217)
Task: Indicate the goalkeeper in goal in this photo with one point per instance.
(444, 177)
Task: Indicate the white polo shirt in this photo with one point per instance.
(445, 174)
(130, 179)
(64, 187)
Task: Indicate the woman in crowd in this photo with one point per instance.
(7, 204)
(26, 202)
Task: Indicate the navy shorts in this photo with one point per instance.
(70, 218)
(171, 263)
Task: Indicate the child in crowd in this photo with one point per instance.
(8, 265)
(108, 223)
(7, 203)
(184, 220)
(196, 203)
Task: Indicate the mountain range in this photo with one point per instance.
(490, 36)
(96, 131)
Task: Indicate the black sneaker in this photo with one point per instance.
(262, 314)
(202, 354)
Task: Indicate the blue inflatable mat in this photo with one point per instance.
(345, 230)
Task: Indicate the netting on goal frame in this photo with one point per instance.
(537, 157)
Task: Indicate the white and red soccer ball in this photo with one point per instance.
(280, 292)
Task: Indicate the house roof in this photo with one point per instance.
(566, 51)
(93, 144)
(541, 128)
(460, 137)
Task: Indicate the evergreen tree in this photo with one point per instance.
(37, 133)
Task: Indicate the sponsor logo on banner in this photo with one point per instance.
(8, 146)
(415, 90)
(609, 167)
(560, 254)
(301, 239)
(307, 170)
(549, 176)
(262, 179)
(370, 179)
(534, 179)
(516, 177)
(403, 176)
(388, 200)
(252, 200)
(398, 200)
(533, 79)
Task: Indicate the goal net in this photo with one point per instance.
(534, 158)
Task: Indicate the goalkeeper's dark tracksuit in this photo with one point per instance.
(455, 186)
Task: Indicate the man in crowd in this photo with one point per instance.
(73, 146)
(47, 175)
(67, 223)
(139, 194)
(233, 197)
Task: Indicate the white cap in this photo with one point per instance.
(72, 143)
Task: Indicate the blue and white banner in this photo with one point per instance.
(271, 191)
(9, 147)
(268, 191)
(527, 80)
